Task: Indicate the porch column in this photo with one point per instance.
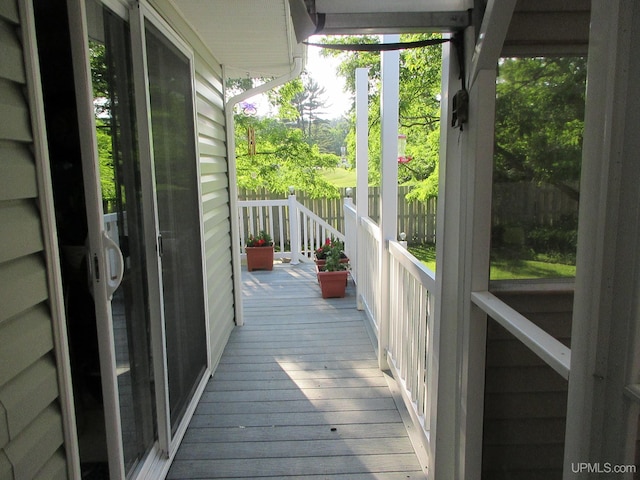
(389, 104)
(604, 394)
(362, 170)
(462, 252)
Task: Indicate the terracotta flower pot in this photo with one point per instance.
(333, 284)
(259, 258)
(320, 262)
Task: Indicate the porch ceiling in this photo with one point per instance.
(548, 27)
(260, 37)
(249, 37)
(538, 27)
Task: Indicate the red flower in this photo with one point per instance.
(263, 239)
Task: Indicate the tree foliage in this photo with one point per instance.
(309, 104)
(419, 108)
(540, 121)
(293, 148)
(283, 158)
(539, 112)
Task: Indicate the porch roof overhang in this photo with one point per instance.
(536, 28)
(262, 38)
(250, 38)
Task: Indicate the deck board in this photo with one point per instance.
(297, 393)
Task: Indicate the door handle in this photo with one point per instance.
(115, 264)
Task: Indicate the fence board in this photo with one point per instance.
(513, 204)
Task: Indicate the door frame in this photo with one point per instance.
(97, 259)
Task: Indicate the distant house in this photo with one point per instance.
(119, 266)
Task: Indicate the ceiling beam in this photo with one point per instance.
(493, 32)
(547, 33)
(393, 22)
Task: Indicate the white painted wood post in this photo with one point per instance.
(602, 421)
(294, 227)
(479, 160)
(444, 389)
(389, 102)
(362, 170)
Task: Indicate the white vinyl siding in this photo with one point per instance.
(215, 206)
(31, 428)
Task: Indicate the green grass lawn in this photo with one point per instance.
(340, 177)
(505, 268)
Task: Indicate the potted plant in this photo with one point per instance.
(333, 275)
(259, 252)
(322, 252)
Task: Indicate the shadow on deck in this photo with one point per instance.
(297, 393)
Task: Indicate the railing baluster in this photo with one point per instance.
(270, 219)
(281, 221)
(270, 215)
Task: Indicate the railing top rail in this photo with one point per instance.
(337, 234)
(350, 209)
(553, 352)
(263, 203)
(414, 266)
(370, 226)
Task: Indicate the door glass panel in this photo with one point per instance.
(119, 168)
(536, 181)
(176, 176)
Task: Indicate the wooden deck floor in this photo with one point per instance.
(297, 393)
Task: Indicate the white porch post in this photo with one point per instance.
(462, 250)
(362, 170)
(294, 227)
(389, 102)
(477, 243)
(449, 255)
(602, 416)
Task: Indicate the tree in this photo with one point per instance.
(282, 158)
(330, 135)
(419, 108)
(309, 104)
(292, 149)
(540, 121)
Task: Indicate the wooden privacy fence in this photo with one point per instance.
(531, 204)
(522, 203)
(416, 219)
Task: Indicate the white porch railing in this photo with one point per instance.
(411, 302)
(410, 352)
(296, 231)
(362, 246)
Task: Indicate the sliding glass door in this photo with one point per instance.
(134, 89)
(177, 197)
(122, 222)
